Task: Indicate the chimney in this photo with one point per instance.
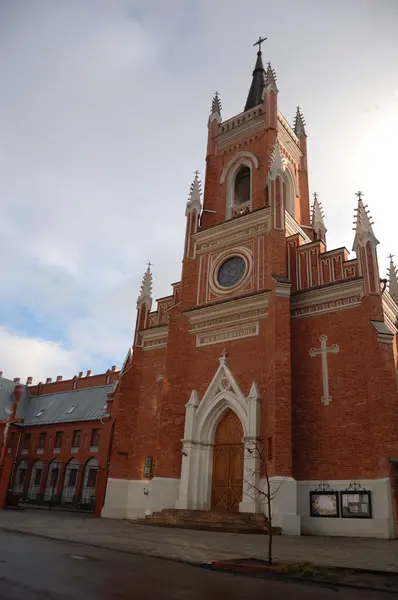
(1, 373)
(81, 373)
(48, 380)
(29, 381)
(59, 377)
(90, 372)
(114, 368)
(17, 379)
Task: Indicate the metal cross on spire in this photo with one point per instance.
(391, 256)
(359, 194)
(259, 42)
(149, 265)
(315, 196)
(196, 173)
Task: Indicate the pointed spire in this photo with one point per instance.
(317, 219)
(255, 96)
(363, 224)
(270, 79)
(195, 192)
(392, 279)
(299, 124)
(216, 105)
(146, 289)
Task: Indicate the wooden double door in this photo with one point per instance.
(227, 482)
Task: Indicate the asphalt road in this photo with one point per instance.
(33, 568)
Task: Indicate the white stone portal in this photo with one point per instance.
(201, 420)
(323, 352)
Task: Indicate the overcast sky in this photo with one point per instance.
(103, 119)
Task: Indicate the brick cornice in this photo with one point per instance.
(292, 228)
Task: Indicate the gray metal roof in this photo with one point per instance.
(7, 396)
(62, 407)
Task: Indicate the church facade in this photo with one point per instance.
(270, 340)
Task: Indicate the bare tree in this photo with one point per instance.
(264, 495)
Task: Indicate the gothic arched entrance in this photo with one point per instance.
(227, 482)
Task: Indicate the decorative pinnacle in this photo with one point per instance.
(392, 279)
(317, 220)
(223, 360)
(270, 79)
(146, 288)
(363, 223)
(275, 162)
(299, 124)
(195, 192)
(216, 104)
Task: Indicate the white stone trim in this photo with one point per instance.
(239, 310)
(231, 231)
(283, 290)
(390, 310)
(218, 260)
(152, 339)
(201, 420)
(330, 298)
(384, 335)
(292, 228)
(226, 335)
(236, 160)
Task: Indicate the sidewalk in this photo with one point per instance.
(201, 546)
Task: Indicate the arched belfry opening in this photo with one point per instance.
(242, 186)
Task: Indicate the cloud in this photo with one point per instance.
(41, 358)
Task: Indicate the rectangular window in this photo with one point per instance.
(58, 439)
(76, 439)
(38, 474)
(148, 466)
(26, 441)
(92, 477)
(95, 437)
(72, 477)
(21, 476)
(42, 441)
(54, 477)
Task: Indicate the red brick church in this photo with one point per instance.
(271, 337)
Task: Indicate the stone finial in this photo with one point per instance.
(270, 79)
(146, 289)
(223, 360)
(392, 279)
(195, 191)
(363, 224)
(317, 218)
(299, 124)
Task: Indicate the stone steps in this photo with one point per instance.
(210, 521)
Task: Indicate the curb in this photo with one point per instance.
(264, 572)
(223, 566)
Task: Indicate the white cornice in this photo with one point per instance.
(227, 313)
(292, 228)
(154, 338)
(233, 229)
(390, 310)
(338, 296)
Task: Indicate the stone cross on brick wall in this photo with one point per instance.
(323, 352)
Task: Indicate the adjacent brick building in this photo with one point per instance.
(271, 337)
(56, 439)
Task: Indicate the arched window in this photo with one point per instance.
(70, 481)
(242, 186)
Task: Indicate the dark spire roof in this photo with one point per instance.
(255, 96)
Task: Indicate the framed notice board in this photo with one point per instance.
(356, 504)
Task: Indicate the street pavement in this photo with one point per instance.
(201, 546)
(34, 568)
